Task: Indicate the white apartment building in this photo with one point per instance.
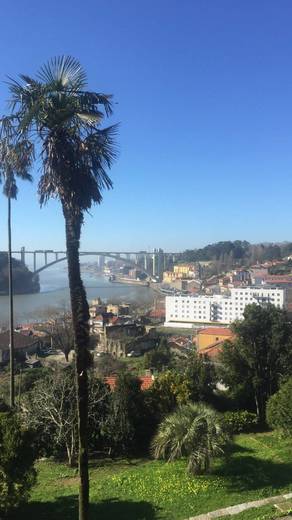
(186, 311)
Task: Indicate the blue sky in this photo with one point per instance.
(204, 96)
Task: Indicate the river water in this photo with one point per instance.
(54, 294)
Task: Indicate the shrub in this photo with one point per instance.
(193, 431)
(240, 422)
(17, 473)
(279, 409)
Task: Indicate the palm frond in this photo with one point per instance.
(94, 98)
(16, 158)
(64, 71)
(90, 118)
(56, 108)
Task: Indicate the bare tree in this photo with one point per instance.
(50, 409)
(59, 328)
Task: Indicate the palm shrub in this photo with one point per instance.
(193, 431)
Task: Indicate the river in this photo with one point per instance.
(54, 294)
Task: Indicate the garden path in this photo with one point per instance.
(233, 510)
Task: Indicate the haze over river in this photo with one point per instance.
(55, 294)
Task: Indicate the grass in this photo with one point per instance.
(259, 465)
(175, 331)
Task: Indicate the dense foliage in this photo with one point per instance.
(24, 281)
(127, 429)
(240, 251)
(240, 421)
(260, 355)
(193, 431)
(158, 358)
(279, 409)
(17, 474)
(201, 378)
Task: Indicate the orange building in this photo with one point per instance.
(211, 335)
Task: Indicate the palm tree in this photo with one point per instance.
(192, 431)
(58, 112)
(15, 161)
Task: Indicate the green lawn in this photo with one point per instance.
(174, 331)
(258, 466)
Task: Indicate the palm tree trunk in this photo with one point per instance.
(80, 317)
(11, 321)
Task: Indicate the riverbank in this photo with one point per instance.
(54, 296)
(128, 281)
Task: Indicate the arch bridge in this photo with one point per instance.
(152, 264)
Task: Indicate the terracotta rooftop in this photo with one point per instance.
(278, 279)
(221, 331)
(146, 382)
(213, 350)
(20, 340)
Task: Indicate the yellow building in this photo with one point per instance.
(211, 335)
(169, 277)
(113, 308)
(187, 270)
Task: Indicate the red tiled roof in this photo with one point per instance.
(221, 331)
(158, 313)
(98, 317)
(146, 382)
(21, 341)
(110, 381)
(114, 320)
(212, 351)
(278, 279)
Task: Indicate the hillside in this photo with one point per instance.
(237, 252)
(24, 282)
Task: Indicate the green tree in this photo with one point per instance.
(201, 378)
(169, 389)
(17, 473)
(193, 431)
(126, 427)
(15, 161)
(160, 357)
(260, 355)
(279, 409)
(57, 109)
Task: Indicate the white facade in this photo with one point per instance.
(184, 311)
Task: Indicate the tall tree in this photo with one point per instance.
(200, 377)
(260, 355)
(57, 109)
(15, 161)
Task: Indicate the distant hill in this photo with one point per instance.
(24, 282)
(237, 252)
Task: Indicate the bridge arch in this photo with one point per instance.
(108, 255)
